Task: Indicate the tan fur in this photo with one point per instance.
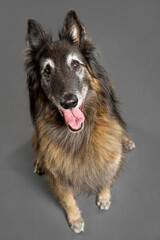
(90, 164)
(105, 194)
(88, 160)
(67, 201)
(99, 154)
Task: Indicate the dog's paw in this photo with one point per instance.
(38, 170)
(77, 225)
(131, 145)
(103, 204)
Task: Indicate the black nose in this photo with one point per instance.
(69, 100)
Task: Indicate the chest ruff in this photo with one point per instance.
(85, 161)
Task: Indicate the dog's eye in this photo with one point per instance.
(47, 70)
(75, 64)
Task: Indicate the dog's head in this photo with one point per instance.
(60, 68)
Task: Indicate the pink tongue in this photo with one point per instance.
(74, 118)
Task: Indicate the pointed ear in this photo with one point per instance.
(35, 34)
(73, 30)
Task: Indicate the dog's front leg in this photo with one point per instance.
(66, 199)
(38, 167)
(38, 164)
(104, 198)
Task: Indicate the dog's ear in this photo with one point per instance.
(35, 34)
(36, 39)
(73, 30)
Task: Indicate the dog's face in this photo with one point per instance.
(61, 67)
(64, 80)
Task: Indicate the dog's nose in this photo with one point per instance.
(69, 100)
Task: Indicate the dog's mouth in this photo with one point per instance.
(74, 118)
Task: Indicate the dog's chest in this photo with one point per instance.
(86, 162)
(88, 171)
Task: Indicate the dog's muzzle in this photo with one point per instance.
(73, 116)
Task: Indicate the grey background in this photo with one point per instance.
(127, 33)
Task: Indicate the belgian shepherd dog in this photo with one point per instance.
(80, 140)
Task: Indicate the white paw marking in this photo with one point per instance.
(78, 226)
(131, 145)
(103, 204)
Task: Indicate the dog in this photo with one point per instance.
(80, 140)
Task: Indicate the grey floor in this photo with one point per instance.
(127, 33)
